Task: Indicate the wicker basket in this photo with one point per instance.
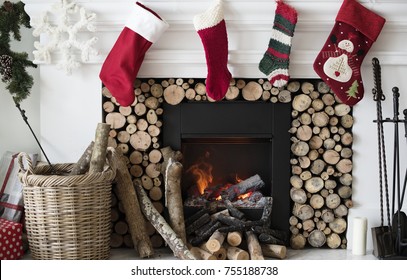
(67, 216)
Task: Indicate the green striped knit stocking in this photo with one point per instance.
(276, 59)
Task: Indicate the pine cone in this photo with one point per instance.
(6, 63)
(8, 6)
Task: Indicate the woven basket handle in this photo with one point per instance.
(21, 157)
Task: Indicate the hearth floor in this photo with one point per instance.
(304, 254)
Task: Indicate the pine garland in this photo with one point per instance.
(13, 64)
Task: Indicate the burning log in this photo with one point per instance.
(234, 212)
(211, 193)
(251, 184)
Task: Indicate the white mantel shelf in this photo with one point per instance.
(248, 23)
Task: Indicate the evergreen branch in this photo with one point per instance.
(14, 74)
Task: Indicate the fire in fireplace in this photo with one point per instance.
(221, 168)
(238, 150)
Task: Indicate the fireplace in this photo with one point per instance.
(229, 141)
(294, 142)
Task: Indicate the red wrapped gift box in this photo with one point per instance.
(11, 244)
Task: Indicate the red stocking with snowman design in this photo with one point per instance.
(338, 63)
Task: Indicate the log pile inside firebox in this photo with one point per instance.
(228, 234)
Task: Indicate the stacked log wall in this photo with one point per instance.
(321, 148)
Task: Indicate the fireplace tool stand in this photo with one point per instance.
(390, 242)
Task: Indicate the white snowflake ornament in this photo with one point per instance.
(62, 36)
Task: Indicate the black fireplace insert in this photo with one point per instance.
(234, 139)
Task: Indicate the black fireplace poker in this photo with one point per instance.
(22, 112)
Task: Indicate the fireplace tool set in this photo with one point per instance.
(389, 242)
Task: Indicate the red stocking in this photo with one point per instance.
(211, 28)
(124, 60)
(338, 64)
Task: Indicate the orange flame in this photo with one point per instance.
(203, 175)
(245, 195)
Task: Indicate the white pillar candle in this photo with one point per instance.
(359, 236)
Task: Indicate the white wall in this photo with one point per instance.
(71, 105)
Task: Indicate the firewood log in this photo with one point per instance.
(338, 225)
(234, 238)
(136, 222)
(253, 246)
(232, 93)
(199, 222)
(234, 212)
(314, 185)
(298, 242)
(201, 254)
(173, 198)
(215, 241)
(115, 120)
(235, 253)
(116, 240)
(178, 247)
(284, 96)
(301, 102)
(274, 251)
(345, 191)
(316, 238)
(82, 165)
(140, 109)
(252, 91)
(303, 211)
(252, 183)
(221, 254)
(174, 94)
(332, 201)
(121, 227)
(98, 157)
(333, 240)
(156, 90)
(199, 239)
(317, 201)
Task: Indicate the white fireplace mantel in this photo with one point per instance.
(248, 23)
(70, 106)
